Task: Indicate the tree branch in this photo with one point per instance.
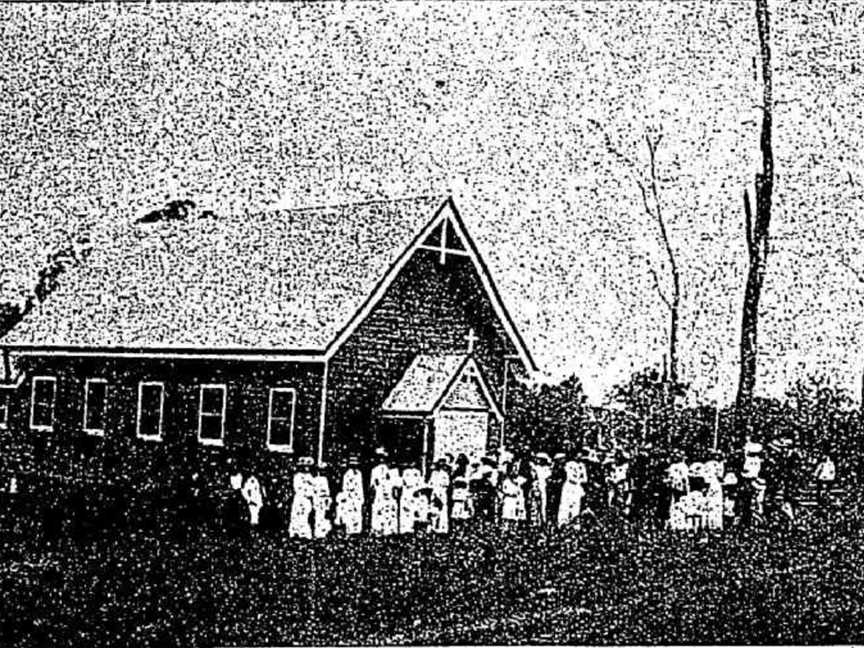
(652, 147)
(657, 286)
(857, 273)
(611, 147)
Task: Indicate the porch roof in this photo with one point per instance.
(428, 382)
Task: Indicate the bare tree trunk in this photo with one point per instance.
(675, 303)
(756, 230)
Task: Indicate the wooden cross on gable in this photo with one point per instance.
(471, 338)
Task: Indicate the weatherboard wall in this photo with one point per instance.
(68, 452)
(428, 308)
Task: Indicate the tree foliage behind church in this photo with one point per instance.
(547, 417)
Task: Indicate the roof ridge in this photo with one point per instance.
(360, 203)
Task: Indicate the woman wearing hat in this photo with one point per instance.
(538, 493)
(572, 492)
(301, 504)
(322, 500)
(678, 479)
(462, 505)
(384, 482)
(712, 471)
(512, 498)
(349, 502)
(439, 482)
(411, 481)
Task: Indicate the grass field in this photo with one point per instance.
(609, 583)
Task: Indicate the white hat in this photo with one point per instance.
(381, 452)
(752, 448)
(730, 479)
(305, 461)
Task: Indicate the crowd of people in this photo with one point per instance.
(541, 492)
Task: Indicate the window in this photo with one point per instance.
(211, 414)
(280, 421)
(42, 403)
(150, 403)
(95, 402)
(5, 400)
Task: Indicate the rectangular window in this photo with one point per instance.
(280, 419)
(95, 403)
(151, 399)
(5, 400)
(42, 403)
(211, 414)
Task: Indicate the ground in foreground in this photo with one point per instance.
(609, 583)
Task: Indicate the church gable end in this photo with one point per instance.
(439, 300)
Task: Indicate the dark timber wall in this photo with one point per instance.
(120, 457)
(427, 309)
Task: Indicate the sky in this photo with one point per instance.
(107, 110)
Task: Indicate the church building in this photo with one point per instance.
(317, 332)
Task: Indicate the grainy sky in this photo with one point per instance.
(106, 110)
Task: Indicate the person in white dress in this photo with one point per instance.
(538, 497)
(301, 504)
(321, 502)
(512, 489)
(350, 500)
(462, 508)
(692, 504)
(254, 496)
(384, 482)
(572, 492)
(825, 474)
(411, 481)
(713, 472)
(748, 490)
(439, 482)
(678, 480)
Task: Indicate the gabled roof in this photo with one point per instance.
(430, 380)
(284, 280)
(287, 282)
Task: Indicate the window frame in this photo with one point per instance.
(94, 431)
(281, 447)
(224, 389)
(5, 406)
(53, 381)
(141, 385)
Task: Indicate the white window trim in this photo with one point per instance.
(221, 440)
(94, 431)
(141, 385)
(5, 402)
(53, 381)
(283, 447)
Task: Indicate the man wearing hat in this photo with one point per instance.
(485, 486)
(349, 502)
(748, 491)
(301, 504)
(556, 481)
(384, 482)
